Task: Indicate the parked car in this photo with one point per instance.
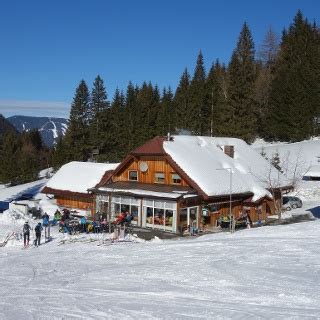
(289, 202)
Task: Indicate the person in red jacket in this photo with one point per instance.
(121, 218)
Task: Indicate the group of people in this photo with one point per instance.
(38, 229)
(67, 224)
(26, 234)
(124, 217)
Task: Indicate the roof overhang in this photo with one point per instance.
(66, 193)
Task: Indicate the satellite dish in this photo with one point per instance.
(143, 166)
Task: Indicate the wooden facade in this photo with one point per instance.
(154, 165)
(76, 203)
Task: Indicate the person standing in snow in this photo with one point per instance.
(38, 230)
(83, 222)
(129, 218)
(45, 223)
(26, 233)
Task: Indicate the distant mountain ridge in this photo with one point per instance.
(50, 128)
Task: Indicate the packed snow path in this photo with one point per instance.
(269, 272)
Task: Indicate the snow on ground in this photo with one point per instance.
(268, 272)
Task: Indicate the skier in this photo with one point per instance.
(26, 233)
(45, 223)
(38, 230)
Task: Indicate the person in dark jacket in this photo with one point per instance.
(38, 230)
(83, 222)
(26, 233)
(46, 224)
(129, 217)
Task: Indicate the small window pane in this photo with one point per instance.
(170, 205)
(117, 208)
(169, 218)
(175, 178)
(148, 203)
(159, 177)
(135, 212)
(159, 204)
(149, 215)
(125, 208)
(125, 200)
(134, 201)
(133, 175)
(158, 216)
(116, 199)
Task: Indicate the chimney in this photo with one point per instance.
(169, 137)
(229, 150)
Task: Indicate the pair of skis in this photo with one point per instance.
(6, 239)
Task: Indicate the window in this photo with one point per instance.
(159, 177)
(160, 214)
(175, 178)
(125, 204)
(133, 175)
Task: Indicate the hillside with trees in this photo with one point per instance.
(22, 155)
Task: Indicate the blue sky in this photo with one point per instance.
(47, 47)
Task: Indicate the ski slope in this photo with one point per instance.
(269, 272)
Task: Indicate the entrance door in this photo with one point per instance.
(193, 217)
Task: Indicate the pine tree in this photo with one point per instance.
(241, 87)
(77, 134)
(148, 100)
(28, 160)
(216, 99)
(114, 140)
(268, 52)
(130, 116)
(98, 108)
(198, 111)
(9, 170)
(265, 72)
(295, 90)
(182, 102)
(165, 117)
(60, 153)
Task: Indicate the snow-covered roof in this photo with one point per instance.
(303, 156)
(79, 176)
(204, 161)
